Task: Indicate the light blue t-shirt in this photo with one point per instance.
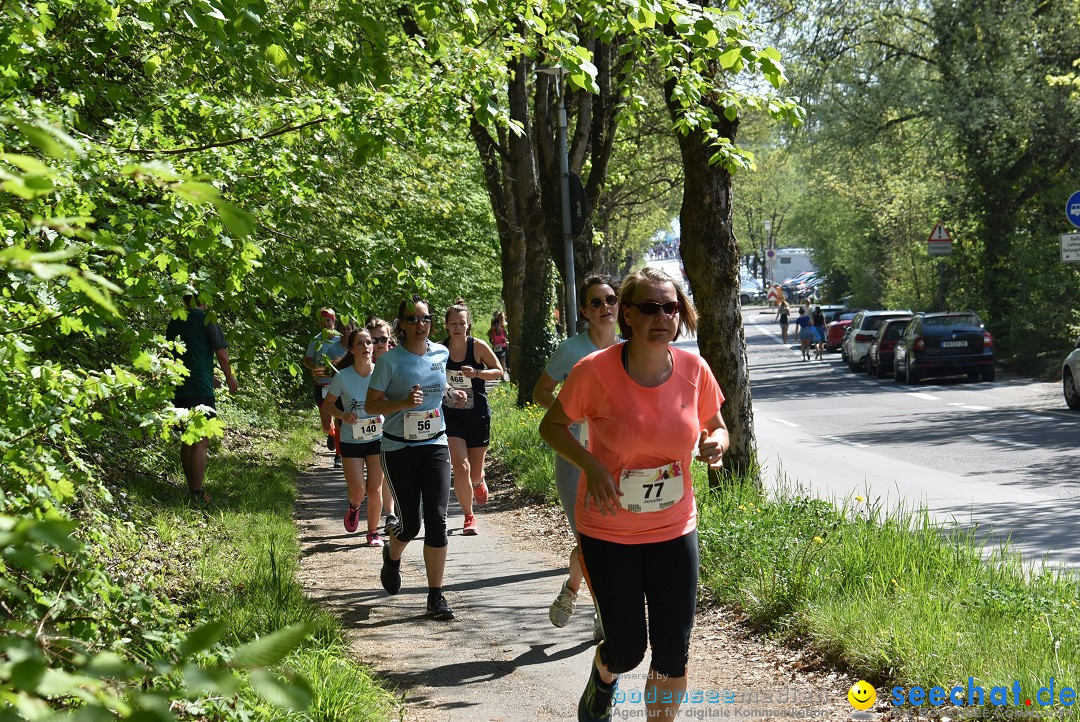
(325, 344)
(562, 361)
(351, 388)
(567, 354)
(397, 371)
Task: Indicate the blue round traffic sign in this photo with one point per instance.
(1072, 209)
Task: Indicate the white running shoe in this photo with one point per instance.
(563, 607)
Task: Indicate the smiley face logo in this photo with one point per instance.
(862, 695)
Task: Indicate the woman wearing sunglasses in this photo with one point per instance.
(468, 427)
(407, 387)
(649, 406)
(600, 307)
(360, 433)
(382, 341)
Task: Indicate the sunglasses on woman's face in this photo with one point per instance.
(418, 319)
(380, 340)
(651, 308)
(610, 300)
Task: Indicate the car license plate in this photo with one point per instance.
(953, 344)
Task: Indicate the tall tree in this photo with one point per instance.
(707, 125)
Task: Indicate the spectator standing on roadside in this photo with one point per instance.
(202, 342)
(649, 406)
(782, 313)
(468, 427)
(500, 343)
(599, 300)
(819, 333)
(324, 349)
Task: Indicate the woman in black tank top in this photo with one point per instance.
(472, 364)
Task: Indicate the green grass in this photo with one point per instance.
(887, 593)
(514, 440)
(237, 561)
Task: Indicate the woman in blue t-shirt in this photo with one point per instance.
(806, 332)
(360, 434)
(407, 387)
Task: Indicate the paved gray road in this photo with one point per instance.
(1003, 455)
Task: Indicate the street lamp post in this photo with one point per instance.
(564, 191)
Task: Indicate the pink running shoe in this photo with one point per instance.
(352, 518)
(480, 493)
(373, 539)
(470, 526)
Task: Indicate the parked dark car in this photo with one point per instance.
(879, 359)
(944, 344)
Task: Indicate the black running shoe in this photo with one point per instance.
(390, 576)
(438, 608)
(598, 699)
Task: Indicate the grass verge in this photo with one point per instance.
(236, 560)
(887, 593)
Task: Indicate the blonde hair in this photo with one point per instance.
(651, 276)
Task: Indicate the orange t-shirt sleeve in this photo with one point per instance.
(580, 391)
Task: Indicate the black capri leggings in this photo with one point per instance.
(623, 579)
(419, 476)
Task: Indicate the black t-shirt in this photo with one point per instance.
(202, 340)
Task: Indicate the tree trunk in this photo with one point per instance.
(711, 255)
(521, 172)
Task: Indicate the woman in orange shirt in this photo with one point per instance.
(649, 405)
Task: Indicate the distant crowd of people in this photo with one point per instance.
(810, 323)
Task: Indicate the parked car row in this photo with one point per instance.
(914, 346)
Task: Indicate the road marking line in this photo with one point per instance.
(1034, 417)
(999, 440)
(928, 397)
(969, 407)
(785, 422)
(838, 440)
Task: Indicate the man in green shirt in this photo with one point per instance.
(202, 341)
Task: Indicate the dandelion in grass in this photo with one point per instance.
(818, 540)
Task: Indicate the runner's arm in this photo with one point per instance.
(494, 370)
(377, 403)
(555, 430)
(544, 391)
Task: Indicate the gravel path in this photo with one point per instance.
(501, 659)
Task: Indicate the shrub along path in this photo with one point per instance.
(501, 659)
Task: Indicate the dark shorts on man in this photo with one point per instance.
(476, 432)
(359, 450)
(320, 393)
(190, 402)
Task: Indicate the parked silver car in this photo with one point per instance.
(1070, 377)
(862, 331)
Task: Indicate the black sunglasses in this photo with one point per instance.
(651, 308)
(380, 339)
(418, 319)
(610, 300)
